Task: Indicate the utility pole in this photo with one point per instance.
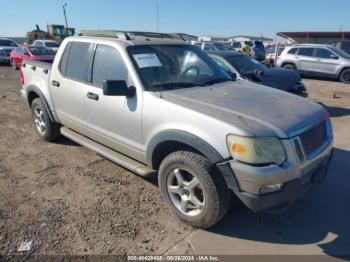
(65, 14)
(157, 6)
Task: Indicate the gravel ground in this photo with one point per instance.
(67, 199)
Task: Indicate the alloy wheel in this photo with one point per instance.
(186, 192)
(39, 120)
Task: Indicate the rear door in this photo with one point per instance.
(305, 59)
(327, 62)
(68, 85)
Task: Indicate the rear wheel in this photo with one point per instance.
(193, 188)
(289, 66)
(47, 129)
(345, 76)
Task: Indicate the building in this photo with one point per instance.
(314, 37)
(208, 38)
(242, 38)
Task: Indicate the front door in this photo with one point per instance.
(327, 62)
(114, 121)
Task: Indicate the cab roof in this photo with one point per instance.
(130, 38)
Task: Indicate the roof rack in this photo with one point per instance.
(125, 35)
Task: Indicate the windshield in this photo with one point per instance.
(259, 44)
(51, 44)
(40, 51)
(174, 66)
(221, 46)
(339, 52)
(4, 42)
(245, 65)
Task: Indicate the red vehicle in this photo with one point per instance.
(31, 53)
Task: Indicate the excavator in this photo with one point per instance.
(54, 32)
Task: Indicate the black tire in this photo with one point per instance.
(345, 76)
(216, 194)
(14, 65)
(289, 66)
(51, 130)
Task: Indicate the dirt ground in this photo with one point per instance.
(69, 200)
(66, 199)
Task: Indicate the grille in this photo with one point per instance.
(314, 138)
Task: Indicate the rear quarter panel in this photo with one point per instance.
(37, 78)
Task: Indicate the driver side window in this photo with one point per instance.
(108, 65)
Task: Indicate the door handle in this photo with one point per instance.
(55, 83)
(92, 96)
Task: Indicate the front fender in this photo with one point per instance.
(182, 137)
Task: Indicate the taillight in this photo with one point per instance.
(21, 78)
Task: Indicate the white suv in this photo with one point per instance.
(317, 60)
(50, 44)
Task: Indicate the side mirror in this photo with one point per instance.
(118, 88)
(232, 75)
(334, 57)
(26, 53)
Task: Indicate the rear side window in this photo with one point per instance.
(293, 51)
(63, 64)
(306, 51)
(78, 61)
(108, 65)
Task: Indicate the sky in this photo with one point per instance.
(198, 17)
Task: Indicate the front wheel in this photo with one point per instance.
(47, 129)
(193, 188)
(289, 66)
(345, 76)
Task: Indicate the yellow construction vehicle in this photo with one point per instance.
(54, 32)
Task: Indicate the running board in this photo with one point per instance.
(108, 153)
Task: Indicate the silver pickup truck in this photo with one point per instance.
(158, 106)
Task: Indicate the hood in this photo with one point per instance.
(283, 79)
(255, 109)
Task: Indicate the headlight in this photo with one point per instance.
(2, 52)
(256, 150)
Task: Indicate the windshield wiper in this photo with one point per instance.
(213, 81)
(173, 84)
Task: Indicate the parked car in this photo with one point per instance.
(6, 46)
(342, 45)
(236, 46)
(30, 53)
(317, 60)
(50, 44)
(159, 106)
(271, 55)
(248, 68)
(210, 46)
(258, 48)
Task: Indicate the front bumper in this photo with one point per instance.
(296, 177)
(4, 59)
(291, 190)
